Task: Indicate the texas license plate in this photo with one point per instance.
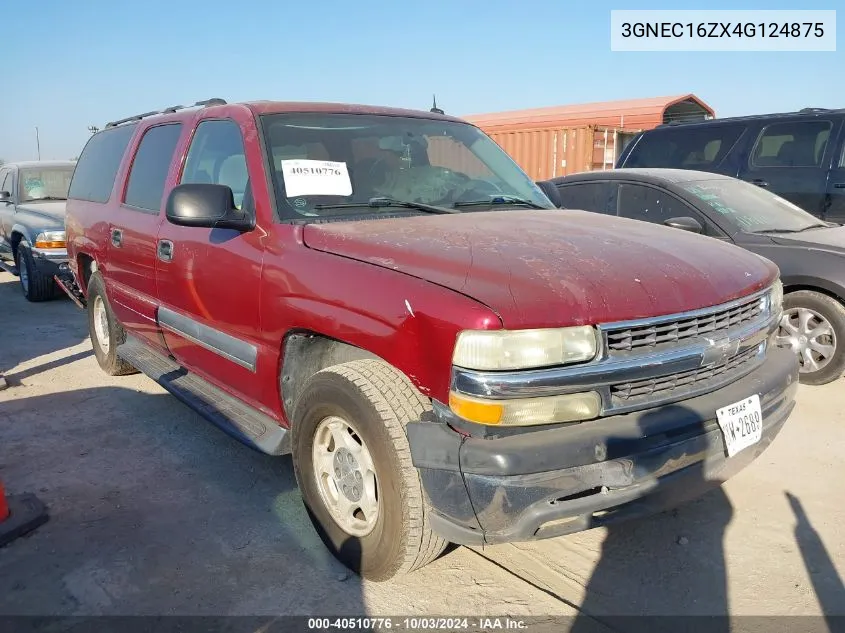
(741, 424)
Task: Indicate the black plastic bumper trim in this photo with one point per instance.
(511, 487)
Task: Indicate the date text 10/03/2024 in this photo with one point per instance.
(421, 623)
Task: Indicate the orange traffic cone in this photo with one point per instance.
(19, 514)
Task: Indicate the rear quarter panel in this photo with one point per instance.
(86, 235)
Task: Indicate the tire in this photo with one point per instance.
(111, 332)
(805, 312)
(377, 402)
(35, 284)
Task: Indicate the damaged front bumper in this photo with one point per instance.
(541, 484)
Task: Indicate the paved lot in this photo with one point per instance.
(154, 511)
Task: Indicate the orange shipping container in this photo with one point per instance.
(548, 153)
(561, 140)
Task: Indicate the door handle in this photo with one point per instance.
(759, 182)
(165, 250)
(117, 237)
(839, 185)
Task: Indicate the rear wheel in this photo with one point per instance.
(353, 466)
(35, 284)
(105, 330)
(813, 326)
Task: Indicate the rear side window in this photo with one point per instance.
(639, 202)
(795, 144)
(686, 148)
(599, 197)
(96, 169)
(149, 169)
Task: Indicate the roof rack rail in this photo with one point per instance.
(810, 110)
(211, 102)
(204, 104)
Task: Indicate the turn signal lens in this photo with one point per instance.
(50, 239)
(480, 411)
(571, 407)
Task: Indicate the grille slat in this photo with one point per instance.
(649, 336)
(657, 387)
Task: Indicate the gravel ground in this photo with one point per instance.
(156, 512)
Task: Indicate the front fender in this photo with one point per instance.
(837, 289)
(408, 322)
(24, 231)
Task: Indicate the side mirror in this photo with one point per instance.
(685, 224)
(5, 196)
(207, 206)
(551, 192)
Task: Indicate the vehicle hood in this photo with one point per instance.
(832, 239)
(541, 268)
(51, 210)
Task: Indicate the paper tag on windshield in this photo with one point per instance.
(305, 177)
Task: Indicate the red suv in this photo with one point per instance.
(384, 294)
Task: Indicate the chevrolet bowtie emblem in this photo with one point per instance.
(719, 351)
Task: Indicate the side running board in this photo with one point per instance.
(239, 420)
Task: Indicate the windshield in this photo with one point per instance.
(45, 183)
(749, 208)
(331, 164)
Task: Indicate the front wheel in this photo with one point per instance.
(813, 326)
(35, 284)
(353, 466)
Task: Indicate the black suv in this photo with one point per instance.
(799, 156)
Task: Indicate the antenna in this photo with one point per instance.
(434, 107)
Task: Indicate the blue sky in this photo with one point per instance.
(69, 65)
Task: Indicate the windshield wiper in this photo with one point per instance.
(500, 200)
(377, 203)
(806, 228)
(45, 198)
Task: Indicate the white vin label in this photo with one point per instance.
(304, 177)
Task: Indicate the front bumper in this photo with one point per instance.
(49, 260)
(541, 484)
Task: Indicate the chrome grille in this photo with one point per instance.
(658, 333)
(658, 387)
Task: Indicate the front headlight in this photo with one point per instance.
(495, 350)
(50, 239)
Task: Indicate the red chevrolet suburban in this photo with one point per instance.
(384, 294)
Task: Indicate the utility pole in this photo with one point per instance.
(38, 142)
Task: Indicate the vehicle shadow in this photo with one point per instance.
(828, 585)
(670, 564)
(155, 511)
(31, 330)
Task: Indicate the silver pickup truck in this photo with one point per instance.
(32, 223)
